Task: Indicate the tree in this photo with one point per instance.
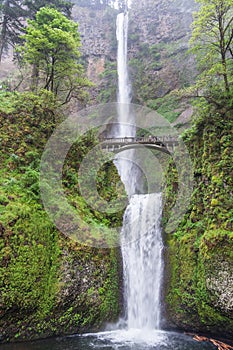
(212, 41)
(51, 46)
(12, 14)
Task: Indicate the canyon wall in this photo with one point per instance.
(159, 32)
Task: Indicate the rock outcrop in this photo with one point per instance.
(159, 32)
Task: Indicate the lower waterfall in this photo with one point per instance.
(142, 261)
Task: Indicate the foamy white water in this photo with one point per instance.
(142, 258)
(135, 336)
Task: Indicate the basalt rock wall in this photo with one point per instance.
(159, 32)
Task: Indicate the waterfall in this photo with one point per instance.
(142, 261)
(124, 89)
(124, 162)
(141, 234)
(122, 69)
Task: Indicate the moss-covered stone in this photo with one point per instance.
(50, 285)
(199, 260)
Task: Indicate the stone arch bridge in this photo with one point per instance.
(164, 144)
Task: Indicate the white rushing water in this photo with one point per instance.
(124, 161)
(141, 234)
(122, 69)
(142, 260)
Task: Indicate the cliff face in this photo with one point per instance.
(162, 21)
(199, 260)
(158, 41)
(97, 29)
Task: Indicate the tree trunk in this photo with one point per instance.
(3, 33)
(223, 50)
(35, 78)
(52, 74)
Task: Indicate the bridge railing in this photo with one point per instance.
(148, 139)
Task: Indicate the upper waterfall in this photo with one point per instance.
(124, 88)
(122, 69)
(125, 128)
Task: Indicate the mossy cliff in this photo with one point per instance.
(50, 285)
(199, 258)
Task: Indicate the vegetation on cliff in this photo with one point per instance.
(199, 252)
(51, 49)
(49, 283)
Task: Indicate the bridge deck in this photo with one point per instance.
(164, 143)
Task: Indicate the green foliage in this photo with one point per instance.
(7, 100)
(150, 68)
(168, 106)
(51, 48)
(14, 14)
(109, 83)
(108, 188)
(192, 262)
(144, 84)
(211, 42)
(39, 266)
(204, 238)
(110, 292)
(11, 12)
(29, 245)
(30, 260)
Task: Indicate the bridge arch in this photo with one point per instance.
(136, 145)
(165, 144)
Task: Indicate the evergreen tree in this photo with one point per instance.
(51, 47)
(12, 15)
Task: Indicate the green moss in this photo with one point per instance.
(203, 243)
(110, 292)
(50, 283)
